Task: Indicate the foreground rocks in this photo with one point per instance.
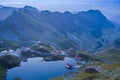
(97, 68)
(91, 70)
(2, 73)
(102, 70)
(9, 61)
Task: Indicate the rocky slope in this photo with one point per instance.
(89, 30)
(6, 12)
(109, 69)
(7, 62)
(105, 66)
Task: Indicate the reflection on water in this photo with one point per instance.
(37, 69)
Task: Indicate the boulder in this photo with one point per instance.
(91, 70)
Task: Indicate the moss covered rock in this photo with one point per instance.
(9, 61)
(91, 70)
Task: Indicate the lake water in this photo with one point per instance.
(36, 69)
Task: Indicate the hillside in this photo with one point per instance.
(6, 12)
(107, 69)
(89, 30)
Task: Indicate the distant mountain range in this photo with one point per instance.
(89, 30)
(6, 12)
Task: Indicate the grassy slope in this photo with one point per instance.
(9, 45)
(112, 55)
(2, 73)
(108, 71)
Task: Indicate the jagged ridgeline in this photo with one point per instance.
(89, 30)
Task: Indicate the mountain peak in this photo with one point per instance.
(92, 11)
(97, 13)
(30, 8)
(67, 12)
(73, 30)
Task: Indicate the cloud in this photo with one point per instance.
(11, 3)
(61, 3)
(108, 7)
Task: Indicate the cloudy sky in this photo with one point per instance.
(110, 8)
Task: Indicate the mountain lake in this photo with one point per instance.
(38, 69)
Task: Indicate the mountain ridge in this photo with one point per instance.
(64, 30)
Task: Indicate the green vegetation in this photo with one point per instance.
(9, 61)
(41, 47)
(58, 78)
(67, 44)
(109, 70)
(112, 66)
(112, 55)
(71, 52)
(2, 73)
(9, 45)
(53, 57)
(29, 54)
(88, 76)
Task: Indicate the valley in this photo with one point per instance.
(58, 45)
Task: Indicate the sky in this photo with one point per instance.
(109, 8)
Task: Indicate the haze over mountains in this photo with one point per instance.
(6, 11)
(89, 30)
